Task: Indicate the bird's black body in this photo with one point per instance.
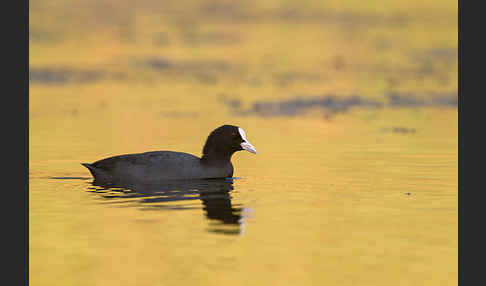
(158, 166)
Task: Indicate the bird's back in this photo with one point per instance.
(153, 166)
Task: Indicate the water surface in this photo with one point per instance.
(317, 204)
(352, 107)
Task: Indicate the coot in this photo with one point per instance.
(158, 166)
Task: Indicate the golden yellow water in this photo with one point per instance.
(327, 201)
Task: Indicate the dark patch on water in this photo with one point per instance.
(338, 62)
(43, 36)
(289, 78)
(159, 64)
(61, 76)
(400, 130)
(205, 71)
(210, 38)
(401, 99)
(177, 114)
(444, 56)
(331, 104)
(229, 11)
(344, 19)
(403, 130)
(206, 78)
(225, 231)
(164, 64)
(435, 63)
(244, 11)
(232, 103)
(69, 178)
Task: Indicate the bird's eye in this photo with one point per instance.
(233, 134)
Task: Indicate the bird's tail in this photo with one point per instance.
(91, 168)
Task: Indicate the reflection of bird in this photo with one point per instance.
(214, 194)
(218, 207)
(159, 166)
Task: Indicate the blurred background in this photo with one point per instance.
(351, 104)
(189, 57)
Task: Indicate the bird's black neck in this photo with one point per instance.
(216, 158)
